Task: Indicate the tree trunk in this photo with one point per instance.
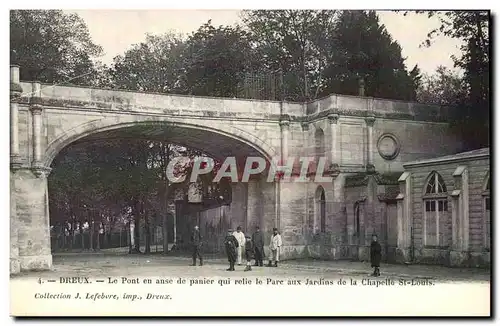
(82, 236)
(164, 230)
(164, 212)
(148, 231)
(137, 235)
(72, 234)
(164, 198)
(98, 236)
(91, 232)
(130, 238)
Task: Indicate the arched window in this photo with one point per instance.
(435, 184)
(321, 209)
(487, 212)
(437, 224)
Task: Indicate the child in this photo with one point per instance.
(375, 255)
(248, 252)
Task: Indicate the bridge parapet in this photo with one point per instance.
(87, 97)
(369, 106)
(95, 98)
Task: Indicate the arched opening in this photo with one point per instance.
(437, 223)
(110, 190)
(320, 218)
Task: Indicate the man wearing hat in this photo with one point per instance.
(196, 245)
(274, 246)
(375, 255)
(258, 243)
(231, 245)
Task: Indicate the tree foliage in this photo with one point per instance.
(52, 47)
(154, 65)
(472, 28)
(296, 42)
(326, 51)
(216, 60)
(368, 51)
(444, 87)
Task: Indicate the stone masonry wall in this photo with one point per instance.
(478, 170)
(33, 220)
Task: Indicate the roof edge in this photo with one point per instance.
(447, 159)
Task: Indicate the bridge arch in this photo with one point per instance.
(210, 136)
(220, 141)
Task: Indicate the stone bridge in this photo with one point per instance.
(355, 134)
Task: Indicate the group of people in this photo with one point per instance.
(236, 243)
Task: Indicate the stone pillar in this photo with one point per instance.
(31, 192)
(455, 217)
(285, 128)
(254, 205)
(36, 111)
(268, 218)
(305, 139)
(404, 218)
(14, 225)
(334, 155)
(292, 200)
(336, 210)
(460, 216)
(15, 163)
(238, 209)
(369, 164)
(15, 94)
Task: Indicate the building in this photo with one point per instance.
(444, 210)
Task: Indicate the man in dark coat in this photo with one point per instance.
(196, 245)
(231, 244)
(375, 255)
(249, 251)
(258, 242)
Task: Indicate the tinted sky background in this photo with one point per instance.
(117, 30)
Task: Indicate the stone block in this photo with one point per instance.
(15, 266)
(35, 263)
(293, 252)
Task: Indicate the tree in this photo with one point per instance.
(216, 61)
(52, 47)
(296, 42)
(472, 27)
(444, 87)
(324, 51)
(154, 65)
(366, 51)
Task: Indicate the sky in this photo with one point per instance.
(117, 30)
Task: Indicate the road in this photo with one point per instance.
(119, 264)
